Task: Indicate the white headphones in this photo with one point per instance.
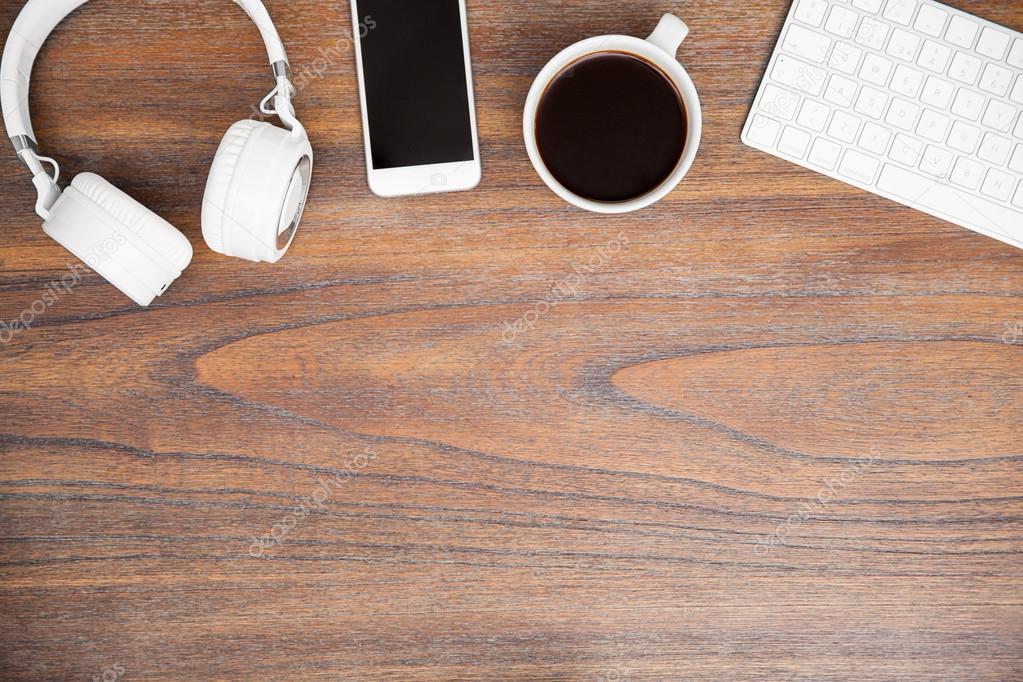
(255, 193)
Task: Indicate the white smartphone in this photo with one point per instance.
(415, 84)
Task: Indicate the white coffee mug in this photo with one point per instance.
(658, 50)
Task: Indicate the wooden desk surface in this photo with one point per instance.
(767, 430)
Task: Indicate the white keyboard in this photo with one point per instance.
(908, 99)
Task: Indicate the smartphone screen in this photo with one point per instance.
(414, 73)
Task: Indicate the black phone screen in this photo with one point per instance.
(414, 73)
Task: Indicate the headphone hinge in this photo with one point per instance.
(23, 143)
(281, 96)
(281, 69)
(46, 186)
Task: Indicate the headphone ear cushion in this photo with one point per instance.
(256, 191)
(218, 186)
(134, 249)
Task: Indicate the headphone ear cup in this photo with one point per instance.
(256, 191)
(131, 247)
(218, 185)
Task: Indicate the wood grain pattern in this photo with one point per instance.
(769, 429)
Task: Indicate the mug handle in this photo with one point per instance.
(669, 34)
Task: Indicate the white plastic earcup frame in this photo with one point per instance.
(131, 247)
(256, 191)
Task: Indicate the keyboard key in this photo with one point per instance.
(872, 33)
(859, 167)
(993, 43)
(967, 174)
(933, 126)
(903, 45)
(845, 58)
(763, 131)
(807, 44)
(936, 161)
(999, 116)
(998, 185)
(1017, 160)
(902, 114)
(1016, 55)
(962, 32)
(924, 193)
(900, 11)
(931, 21)
(842, 22)
(906, 150)
(1019, 128)
(964, 137)
(872, 6)
(934, 57)
(811, 11)
(875, 138)
(844, 127)
(968, 104)
(794, 142)
(824, 153)
(996, 80)
(995, 149)
(814, 115)
(876, 70)
(871, 102)
(965, 68)
(907, 81)
(1017, 92)
(799, 75)
(1018, 199)
(778, 102)
(938, 93)
(841, 91)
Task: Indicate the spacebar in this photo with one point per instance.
(968, 210)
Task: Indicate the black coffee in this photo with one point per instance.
(611, 127)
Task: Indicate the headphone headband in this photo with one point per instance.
(37, 21)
